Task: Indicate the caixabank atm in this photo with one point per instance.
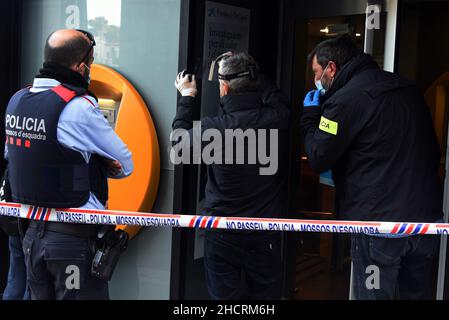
(128, 114)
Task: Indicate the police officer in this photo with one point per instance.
(374, 130)
(60, 152)
(242, 264)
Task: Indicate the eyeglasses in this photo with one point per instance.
(91, 38)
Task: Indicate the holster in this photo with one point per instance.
(110, 244)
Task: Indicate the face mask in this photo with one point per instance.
(320, 86)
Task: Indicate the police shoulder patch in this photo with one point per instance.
(328, 126)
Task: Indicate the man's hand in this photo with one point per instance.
(186, 84)
(312, 99)
(114, 167)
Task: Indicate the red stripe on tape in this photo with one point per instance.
(424, 230)
(410, 228)
(29, 212)
(192, 222)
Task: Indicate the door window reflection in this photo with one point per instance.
(104, 18)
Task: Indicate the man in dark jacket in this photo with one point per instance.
(373, 129)
(242, 188)
(16, 288)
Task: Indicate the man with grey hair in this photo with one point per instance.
(242, 264)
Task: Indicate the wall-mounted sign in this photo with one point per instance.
(225, 28)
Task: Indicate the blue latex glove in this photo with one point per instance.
(326, 178)
(312, 99)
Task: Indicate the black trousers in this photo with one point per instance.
(244, 266)
(59, 266)
(389, 268)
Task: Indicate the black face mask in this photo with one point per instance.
(62, 74)
(65, 76)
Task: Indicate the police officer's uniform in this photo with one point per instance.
(56, 136)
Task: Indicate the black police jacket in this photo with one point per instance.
(240, 189)
(375, 131)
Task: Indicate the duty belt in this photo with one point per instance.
(73, 229)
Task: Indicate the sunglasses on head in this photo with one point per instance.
(91, 38)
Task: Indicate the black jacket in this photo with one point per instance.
(10, 225)
(239, 189)
(375, 132)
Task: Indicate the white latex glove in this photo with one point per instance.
(184, 86)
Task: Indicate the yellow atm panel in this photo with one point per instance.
(128, 114)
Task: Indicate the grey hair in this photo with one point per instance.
(236, 63)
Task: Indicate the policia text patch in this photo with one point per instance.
(328, 126)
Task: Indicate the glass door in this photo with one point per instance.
(322, 260)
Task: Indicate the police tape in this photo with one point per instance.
(143, 219)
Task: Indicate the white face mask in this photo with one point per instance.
(319, 85)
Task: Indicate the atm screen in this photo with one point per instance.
(110, 109)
